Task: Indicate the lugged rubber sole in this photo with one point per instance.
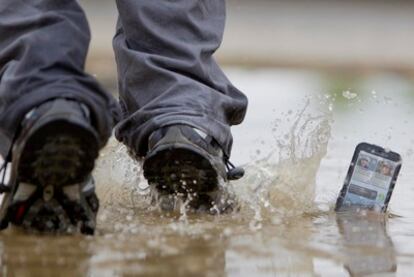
(58, 154)
(179, 172)
(55, 156)
(174, 169)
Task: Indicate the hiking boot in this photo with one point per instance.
(50, 188)
(184, 161)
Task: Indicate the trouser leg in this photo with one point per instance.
(43, 46)
(167, 73)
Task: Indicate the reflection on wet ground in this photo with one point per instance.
(296, 150)
(367, 247)
(305, 246)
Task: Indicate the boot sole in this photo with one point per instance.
(175, 168)
(57, 154)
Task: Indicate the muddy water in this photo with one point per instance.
(296, 144)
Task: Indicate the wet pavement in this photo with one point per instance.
(296, 144)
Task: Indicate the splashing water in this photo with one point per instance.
(124, 193)
(349, 95)
(278, 186)
(121, 188)
(283, 183)
(120, 175)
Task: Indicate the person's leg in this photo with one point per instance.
(167, 73)
(54, 117)
(177, 104)
(43, 47)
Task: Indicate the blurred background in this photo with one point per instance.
(357, 36)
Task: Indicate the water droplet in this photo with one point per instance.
(349, 95)
(227, 232)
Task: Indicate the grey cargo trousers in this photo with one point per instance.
(164, 52)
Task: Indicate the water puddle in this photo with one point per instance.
(296, 154)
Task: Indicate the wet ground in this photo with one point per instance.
(296, 144)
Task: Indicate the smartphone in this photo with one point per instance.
(370, 180)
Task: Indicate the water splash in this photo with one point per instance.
(278, 186)
(283, 183)
(124, 193)
(349, 95)
(119, 177)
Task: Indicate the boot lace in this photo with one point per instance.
(233, 172)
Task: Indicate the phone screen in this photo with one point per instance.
(370, 181)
